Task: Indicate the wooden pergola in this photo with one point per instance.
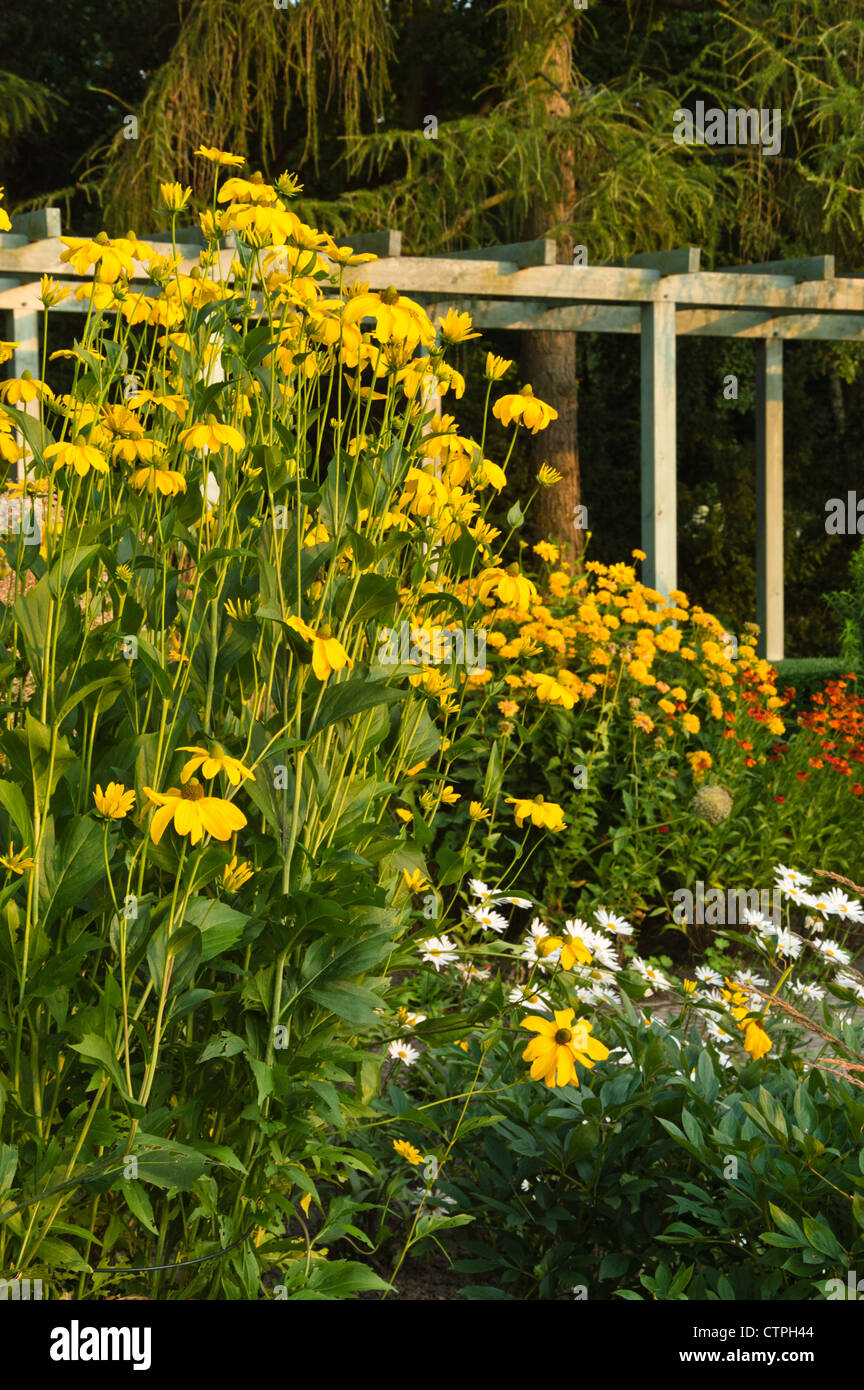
(659, 295)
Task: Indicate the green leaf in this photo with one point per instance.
(138, 1202)
(225, 1044)
(349, 698)
(351, 1002)
(95, 1049)
(220, 926)
(12, 798)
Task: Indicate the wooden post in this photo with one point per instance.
(659, 538)
(769, 497)
(23, 325)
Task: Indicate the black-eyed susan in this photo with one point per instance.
(496, 367)
(524, 407)
(408, 1152)
(756, 1040)
(115, 802)
(547, 476)
(328, 655)
(547, 815)
(174, 196)
(77, 454)
(194, 814)
(415, 881)
(235, 873)
(211, 764)
(165, 480)
(220, 156)
(213, 436)
(456, 327)
(477, 811)
(16, 861)
(21, 390)
(559, 1045)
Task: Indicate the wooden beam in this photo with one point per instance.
(383, 244)
(685, 260)
(769, 499)
(800, 268)
(659, 484)
(755, 323)
(519, 253)
(38, 225)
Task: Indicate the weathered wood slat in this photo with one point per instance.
(519, 253)
(683, 260)
(659, 481)
(800, 268)
(384, 244)
(769, 499)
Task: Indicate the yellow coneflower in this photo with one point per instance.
(115, 802)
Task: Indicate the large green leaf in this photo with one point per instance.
(352, 697)
(220, 926)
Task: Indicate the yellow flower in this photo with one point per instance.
(545, 814)
(416, 881)
(756, 1040)
(559, 1045)
(174, 196)
(24, 389)
(396, 318)
(78, 455)
(408, 1151)
(165, 480)
(691, 723)
(17, 860)
(6, 352)
(175, 651)
(219, 156)
(449, 796)
(5, 224)
(456, 327)
(235, 873)
(689, 986)
(328, 655)
(115, 802)
(254, 190)
(547, 476)
(51, 293)
(407, 816)
(547, 552)
(477, 811)
(524, 406)
(212, 436)
(110, 258)
(667, 706)
(496, 367)
(699, 764)
(211, 764)
(573, 951)
(194, 814)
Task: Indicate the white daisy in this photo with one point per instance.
(438, 951)
(707, 975)
(610, 921)
(748, 977)
(471, 972)
(488, 918)
(814, 923)
(838, 905)
(833, 951)
(790, 877)
(529, 998)
(819, 901)
(538, 929)
(409, 1019)
(850, 982)
(788, 944)
(807, 991)
(478, 889)
(649, 973)
(799, 896)
(515, 902)
(760, 920)
(403, 1051)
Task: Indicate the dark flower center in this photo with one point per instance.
(193, 791)
(563, 1036)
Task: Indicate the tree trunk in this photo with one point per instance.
(549, 359)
